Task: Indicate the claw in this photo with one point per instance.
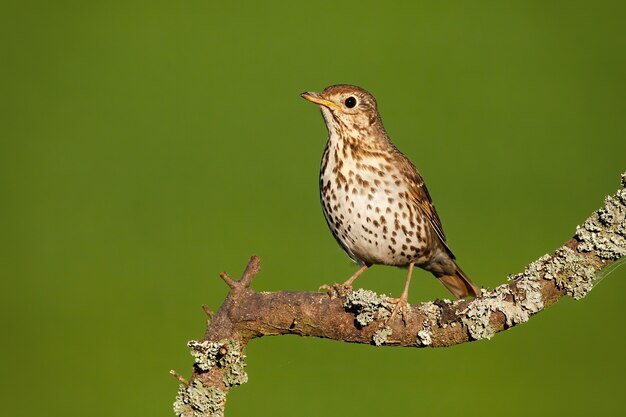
(336, 290)
(330, 290)
(342, 289)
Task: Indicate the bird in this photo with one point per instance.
(374, 199)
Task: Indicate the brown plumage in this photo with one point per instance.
(374, 199)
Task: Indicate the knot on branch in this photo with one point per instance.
(253, 268)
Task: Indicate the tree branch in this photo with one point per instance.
(597, 248)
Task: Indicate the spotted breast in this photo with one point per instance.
(366, 202)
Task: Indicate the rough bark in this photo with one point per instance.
(361, 316)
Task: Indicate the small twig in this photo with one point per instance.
(253, 268)
(178, 376)
(228, 280)
(207, 310)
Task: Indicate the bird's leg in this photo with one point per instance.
(341, 288)
(354, 276)
(402, 302)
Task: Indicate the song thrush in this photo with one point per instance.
(374, 199)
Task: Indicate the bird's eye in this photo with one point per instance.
(350, 102)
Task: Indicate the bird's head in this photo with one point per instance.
(346, 108)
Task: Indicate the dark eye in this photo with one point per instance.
(350, 102)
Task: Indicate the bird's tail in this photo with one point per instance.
(459, 284)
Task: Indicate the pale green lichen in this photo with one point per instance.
(425, 337)
(381, 335)
(432, 311)
(604, 233)
(236, 374)
(532, 301)
(478, 314)
(571, 272)
(226, 354)
(196, 400)
(367, 305)
(517, 308)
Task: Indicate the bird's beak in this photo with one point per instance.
(317, 99)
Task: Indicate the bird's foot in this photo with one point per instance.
(336, 290)
(401, 306)
(329, 290)
(341, 290)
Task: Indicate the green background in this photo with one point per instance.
(146, 146)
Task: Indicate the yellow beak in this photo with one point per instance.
(317, 99)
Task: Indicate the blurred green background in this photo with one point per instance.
(148, 145)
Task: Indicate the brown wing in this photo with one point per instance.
(419, 194)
